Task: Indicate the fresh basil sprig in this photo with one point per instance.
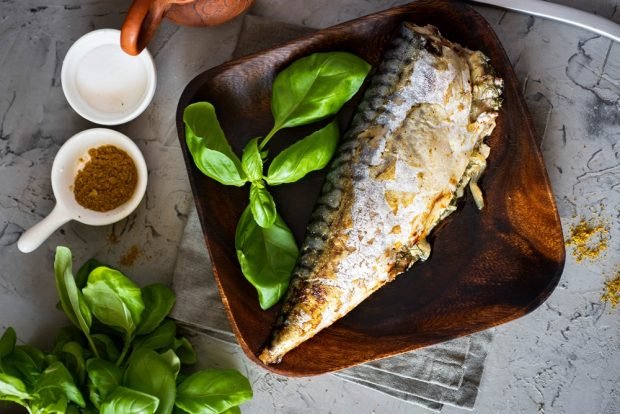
(86, 373)
(311, 89)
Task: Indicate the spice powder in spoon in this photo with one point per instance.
(107, 181)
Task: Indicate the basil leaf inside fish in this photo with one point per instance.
(315, 87)
(309, 154)
(266, 255)
(210, 150)
(262, 205)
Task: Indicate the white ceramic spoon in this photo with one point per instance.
(561, 13)
(72, 157)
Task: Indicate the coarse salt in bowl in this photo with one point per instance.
(104, 84)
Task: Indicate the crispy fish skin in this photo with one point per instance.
(415, 143)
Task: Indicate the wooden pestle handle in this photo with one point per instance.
(143, 18)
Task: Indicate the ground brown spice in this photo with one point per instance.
(588, 240)
(113, 238)
(107, 181)
(130, 256)
(611, 293)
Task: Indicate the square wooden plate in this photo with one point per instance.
(487, 267)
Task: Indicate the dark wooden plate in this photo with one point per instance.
(486, 268)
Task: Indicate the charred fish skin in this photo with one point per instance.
(415, 143)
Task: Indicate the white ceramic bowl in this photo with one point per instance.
(104, 84)
(71, 158)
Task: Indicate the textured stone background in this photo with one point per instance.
(562, 358)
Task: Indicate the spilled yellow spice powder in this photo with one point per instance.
(588, 240)
(611, 293)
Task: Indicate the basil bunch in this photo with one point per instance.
(311, 89)
(122, 356)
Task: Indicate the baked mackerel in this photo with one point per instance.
(414, 145)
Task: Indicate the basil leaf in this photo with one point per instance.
(180, 378)
(148, 372)
(50, 359)
(309, 154)
(262, 205)
(215, 165)
(232, 410)
(71, 299)
(72, 409)
(7, 342)
(267, 256)
(34, 354)
(12, 387)
(160, 338)
(128, 401)
(200, 117)
(173, 362)
(158, 302)
(210, 150)
(114, 299)
(213, 391)
(25, 363)
(103, 375)
(106, 347)
(49, 402)
(315, 87)
(72, 355)
(67, 334)
(57, 378)
(251, 161)
(95, 398)
(185, 351)
(81, 276)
